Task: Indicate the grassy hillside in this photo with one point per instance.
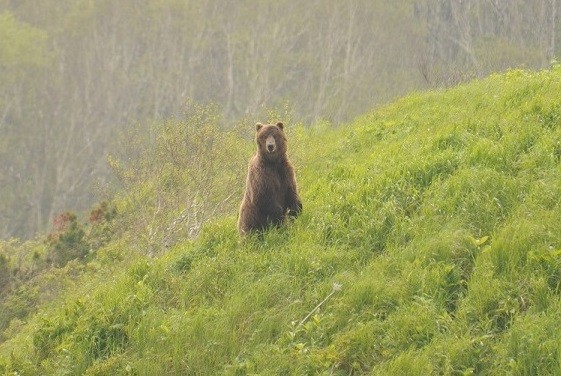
(432, 224)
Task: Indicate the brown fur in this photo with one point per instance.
(271, 193)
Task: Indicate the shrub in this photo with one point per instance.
(67, 241)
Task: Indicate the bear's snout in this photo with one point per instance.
(271, 144)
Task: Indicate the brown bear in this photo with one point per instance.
(270, 192)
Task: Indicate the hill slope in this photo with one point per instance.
(439, 217)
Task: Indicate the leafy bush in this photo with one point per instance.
(188, 173)
(67, 241)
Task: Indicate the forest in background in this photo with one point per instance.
(77, 74)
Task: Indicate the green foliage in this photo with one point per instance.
(179, 176)
(19, 262)
(71, 240)
(22, 48)
(67, 241)
(101, 222)
(437, 214)
(4, 271)
(33, 273)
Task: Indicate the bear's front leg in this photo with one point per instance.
(293, 204)
(275, 215)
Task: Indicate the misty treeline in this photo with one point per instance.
(75, 73)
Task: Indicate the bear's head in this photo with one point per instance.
(271, 141)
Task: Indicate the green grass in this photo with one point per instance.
(438, 214)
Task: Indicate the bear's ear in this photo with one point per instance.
(280, 125)
(258, 126)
